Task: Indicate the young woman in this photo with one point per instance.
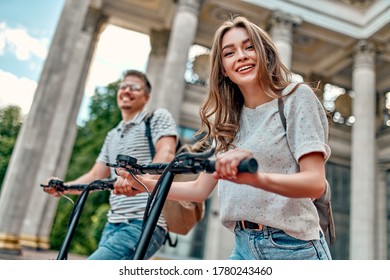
(271, 212)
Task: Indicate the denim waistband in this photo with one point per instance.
(246, 225)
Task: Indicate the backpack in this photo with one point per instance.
(181, 216)
(323, 204)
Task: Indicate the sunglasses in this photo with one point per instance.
(133, 87)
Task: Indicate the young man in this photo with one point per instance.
(123, 228)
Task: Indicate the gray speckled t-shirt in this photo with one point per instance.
(262, 132)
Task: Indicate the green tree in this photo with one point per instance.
(10, 123)
(104, 115)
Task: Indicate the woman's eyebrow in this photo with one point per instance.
(231, 45)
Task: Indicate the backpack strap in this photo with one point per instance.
(168, 239)
(281, 112)
(281, 106)
(148, 133)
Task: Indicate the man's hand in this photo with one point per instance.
(53, 189)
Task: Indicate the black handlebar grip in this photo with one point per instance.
(246, 165)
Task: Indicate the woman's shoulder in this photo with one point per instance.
(297, 87)
(302, 97)
(296, 92)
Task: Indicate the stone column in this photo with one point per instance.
(45, 141)
(184, 26)
(363, 154)
(159, 41)
(381, 212)
(282, 25)
(57, 152)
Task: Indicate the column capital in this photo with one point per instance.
(365, 47)
(283, 20)
(282, 25)
(365, 52)
(94, 20)
(159, 41)
(192, 6)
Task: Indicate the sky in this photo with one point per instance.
(26, 31)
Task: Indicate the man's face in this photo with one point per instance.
(131, 94)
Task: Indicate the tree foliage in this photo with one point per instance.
(104, 115)
(10, 123)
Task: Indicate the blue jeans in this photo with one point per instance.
(119, 241)
(275, 244)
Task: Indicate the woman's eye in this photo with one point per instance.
(249, 47)
(228, 53)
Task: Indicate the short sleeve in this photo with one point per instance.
(162, 124)
(104, 152)
(307, 123)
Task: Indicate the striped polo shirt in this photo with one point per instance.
(128, 138)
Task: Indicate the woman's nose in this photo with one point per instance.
(241, 55)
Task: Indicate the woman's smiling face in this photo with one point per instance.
(239, 57)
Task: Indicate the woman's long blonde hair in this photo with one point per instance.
(220, 112)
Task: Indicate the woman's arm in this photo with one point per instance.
(197, 190)
(308, 182)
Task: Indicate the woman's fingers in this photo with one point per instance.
(227, 163)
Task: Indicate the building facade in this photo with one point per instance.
(344, 44)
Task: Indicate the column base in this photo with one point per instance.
(34, 242)
(9, 244)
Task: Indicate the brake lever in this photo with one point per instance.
(102, 184)
(53, 183)
(127, 162)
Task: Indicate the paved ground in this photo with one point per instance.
(30, 254)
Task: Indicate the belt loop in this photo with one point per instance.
(266, 232)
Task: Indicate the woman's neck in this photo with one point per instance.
(254, 96)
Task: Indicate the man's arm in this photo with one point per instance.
(165, 150)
